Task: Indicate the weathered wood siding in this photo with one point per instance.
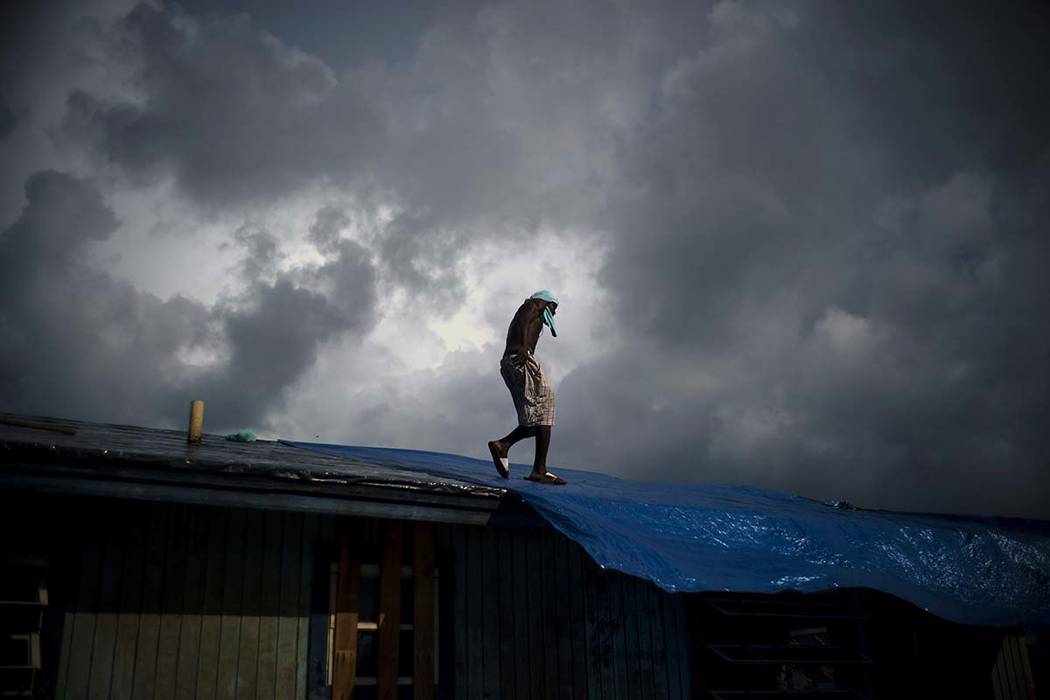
(182, 601)
(178, 601)
(534, 617)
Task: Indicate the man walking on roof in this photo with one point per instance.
(532, 394)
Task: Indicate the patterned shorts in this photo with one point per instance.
(532, 394)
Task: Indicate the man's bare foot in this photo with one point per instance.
(545, 478)
(499, 457)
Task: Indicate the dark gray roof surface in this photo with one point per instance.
(49, 453)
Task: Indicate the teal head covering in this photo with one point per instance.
(548, 317)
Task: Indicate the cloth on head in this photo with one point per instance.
(545, 296)
(548, 317)
(532, 394)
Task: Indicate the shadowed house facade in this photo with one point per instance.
(135, 565)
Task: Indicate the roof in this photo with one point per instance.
(48, 454)
(682, 537)
(695, 537)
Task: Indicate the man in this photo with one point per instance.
(532, 394)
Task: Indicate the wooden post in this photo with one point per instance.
(196, 422)
(344, 667)
(389, 612)
(423, 621)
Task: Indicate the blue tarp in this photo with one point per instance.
(704, 537)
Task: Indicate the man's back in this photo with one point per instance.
(525, 327)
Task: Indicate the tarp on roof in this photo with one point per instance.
(701, 537)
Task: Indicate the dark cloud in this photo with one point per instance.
(239, 119)
(235, 116)
(8, 121)
(75, 341)
(831, 226)
(823, 230)
(327, 227)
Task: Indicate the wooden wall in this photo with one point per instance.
(174, 601)
(1012, 673)
(536, 618)
(179, 601)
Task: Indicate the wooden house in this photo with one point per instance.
(136, 565)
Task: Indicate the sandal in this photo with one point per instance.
(547, 478)
(502, 463)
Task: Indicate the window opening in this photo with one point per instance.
(368, 629)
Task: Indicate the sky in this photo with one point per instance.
(802, 246)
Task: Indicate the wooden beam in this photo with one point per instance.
(423, 621)
(229, 495)
(344, 668)
(389, 611)
(65, 428)
(193, 435)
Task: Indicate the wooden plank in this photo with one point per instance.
(423, 609)
(475, 615)
(656, 622)
(251, 611)
(997, 686)
(174, 592)
(580, 670)
(349, 585)
(61, 682)
(199, 531)
(459, 582)
(549, 614)
(490, 630)
(645, 640)
(561, 613)
(230, 624)
(504, 546)
(1012, 642)
(211, 613)
(130, 602)
(609, 629)
(308, 541)
(389, 611)
(79, 673)
(630, 625)
(1026, 663)
(445, 574)
(1024, 670)
(145, 676)
(684, 652)
(271, 535)
(1008, 673)
(67, 548)
(592, 641)
(519, 550)
(537, 649)
(619, 634)
(670, 635)
(322, 610)
(1011, 670)
(111, 536)
(288, 624)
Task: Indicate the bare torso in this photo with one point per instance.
(525, 328)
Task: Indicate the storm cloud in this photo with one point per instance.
(79, 342)
(798, 245)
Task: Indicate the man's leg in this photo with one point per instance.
(499, 449)
(539, 466)
(543, 443)
(516, 435)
